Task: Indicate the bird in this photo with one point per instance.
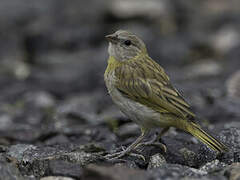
(142, 90)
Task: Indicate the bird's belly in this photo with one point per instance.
(140, 114)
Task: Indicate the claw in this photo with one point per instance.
(162, 146)
(138, 156)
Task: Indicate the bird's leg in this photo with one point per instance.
(129, 148)
(164, 131)
(155, 140)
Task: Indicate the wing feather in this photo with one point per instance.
(145, 81)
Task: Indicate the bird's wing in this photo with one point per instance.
(144, 81)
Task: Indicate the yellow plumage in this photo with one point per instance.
(142, 90)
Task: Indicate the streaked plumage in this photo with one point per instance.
(142, 90)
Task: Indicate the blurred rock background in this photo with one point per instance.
(52, 58)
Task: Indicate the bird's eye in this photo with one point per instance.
(127, 42)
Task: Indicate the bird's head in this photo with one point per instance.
(124, 45)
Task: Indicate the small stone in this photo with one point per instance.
(233, 171)
(189, 156)
(156, 161)
(17, 151)
(213, 166)
(81, 158)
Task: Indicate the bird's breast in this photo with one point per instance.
(137, 112)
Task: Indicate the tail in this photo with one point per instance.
(204, 137)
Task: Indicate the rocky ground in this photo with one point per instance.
(56, 118)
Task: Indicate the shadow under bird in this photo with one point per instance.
(142, 90)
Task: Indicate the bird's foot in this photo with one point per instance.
(153, 142)
(157, 144)
(123, 153)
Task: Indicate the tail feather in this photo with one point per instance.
(204, 137)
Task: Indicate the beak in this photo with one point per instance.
(112, 38)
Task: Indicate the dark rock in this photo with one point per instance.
(36, 161)
(128, 164)
(9, 171)
(175, 171)
(63, 168)
(59, 139)
(207, 177)
(204, 155)
(65, 74)
(189, 156)
(167, 171)
(231, 137)
(236, 156)
(84, 107)
(16, 152)
(91, 148)
(112, 173)
(180, 144)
